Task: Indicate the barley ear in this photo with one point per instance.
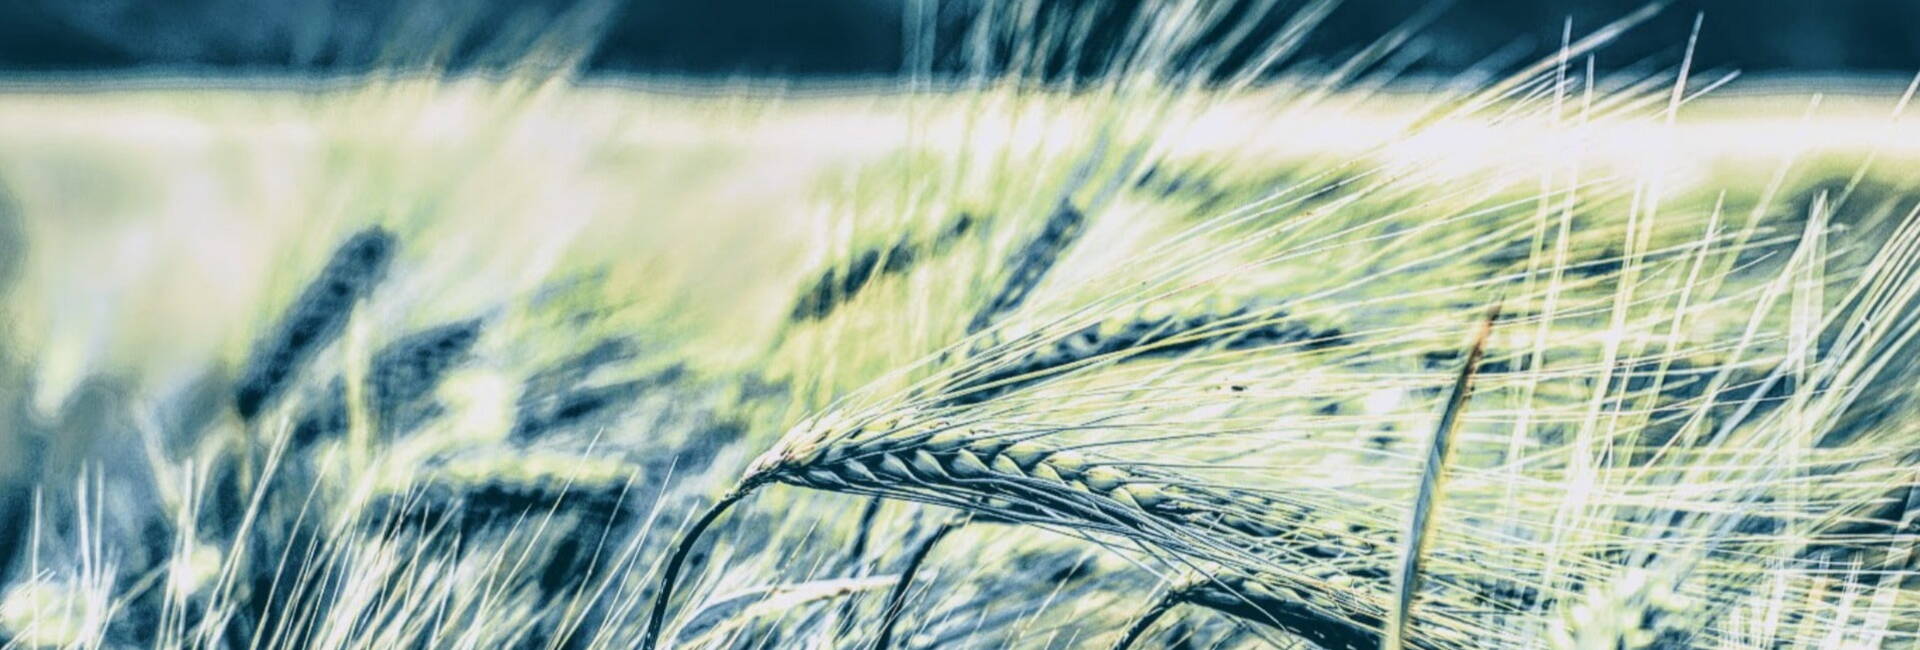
(1031, 263)
(1296, 613)
(316, 318)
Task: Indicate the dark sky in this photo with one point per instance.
(863, 37)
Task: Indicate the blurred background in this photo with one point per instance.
(863, 38)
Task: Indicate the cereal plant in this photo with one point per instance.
(1176, 341)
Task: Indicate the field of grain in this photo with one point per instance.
(443, 361)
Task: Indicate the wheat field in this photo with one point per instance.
(1160, 358)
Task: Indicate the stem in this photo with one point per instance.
(1426, 500)
(657, 619)
(1147, 618)
(854, 562)
(898, 598)
(861, 541)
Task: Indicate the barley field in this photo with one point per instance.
(1161, 358)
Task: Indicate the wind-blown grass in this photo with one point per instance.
(1155, 354)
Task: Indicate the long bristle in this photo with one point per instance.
(1101, 325)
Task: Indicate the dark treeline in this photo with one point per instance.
(847, 38)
